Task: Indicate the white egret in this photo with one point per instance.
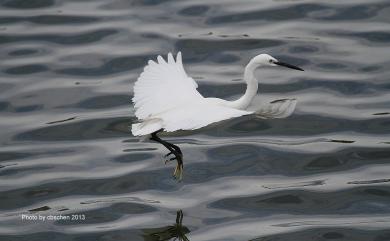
(166, 99)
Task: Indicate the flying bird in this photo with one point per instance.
(166, 99)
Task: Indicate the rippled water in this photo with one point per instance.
(67, 72)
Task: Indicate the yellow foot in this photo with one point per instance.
(178, 172)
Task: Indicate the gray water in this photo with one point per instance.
(66, 77)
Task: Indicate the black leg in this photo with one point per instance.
(173, 150)
(176, 148)
(164, 143)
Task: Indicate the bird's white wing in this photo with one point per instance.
(162, 86)
(197, 115)
(187, 116)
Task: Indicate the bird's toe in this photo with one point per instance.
(168, 154)
(170, 159)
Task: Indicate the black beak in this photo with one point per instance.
(288, 65)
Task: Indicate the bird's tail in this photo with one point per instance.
(146, 127)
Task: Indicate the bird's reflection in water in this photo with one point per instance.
(171, 232)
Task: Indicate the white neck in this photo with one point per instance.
(251, 88)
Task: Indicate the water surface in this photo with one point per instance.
(66, 79)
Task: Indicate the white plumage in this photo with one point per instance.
(165, 97)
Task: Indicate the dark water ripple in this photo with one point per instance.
(49, 19)
(66, 78)
(20, 4)
(74, 39)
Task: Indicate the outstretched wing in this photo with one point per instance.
(162, 86)
(187, 117)
(197, 116)
(166, 98)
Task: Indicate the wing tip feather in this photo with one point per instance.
(151, 62)
(178, 57)
(161, 60)
(171, 60)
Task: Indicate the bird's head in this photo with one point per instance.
(268, 60)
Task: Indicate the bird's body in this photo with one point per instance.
(166, 99)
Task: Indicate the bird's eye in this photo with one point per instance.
(271, 61)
